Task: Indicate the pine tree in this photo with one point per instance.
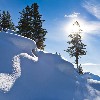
(77, 47)
(24, 25)
(38, 32)
(30, 25)
(6, 21)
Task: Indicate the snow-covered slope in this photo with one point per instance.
(27, 75)
(89, 75)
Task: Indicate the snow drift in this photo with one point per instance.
(27, 75)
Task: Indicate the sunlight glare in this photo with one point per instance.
(70, 28)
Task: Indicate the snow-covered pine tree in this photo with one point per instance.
(77, 47)
(38, 32)
(6, 21)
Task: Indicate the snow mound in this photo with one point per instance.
(89, 75)
(26, 74)
(12, 39)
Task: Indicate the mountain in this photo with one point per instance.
(27, 73)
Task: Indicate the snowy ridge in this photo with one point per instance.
(19, 41)
(89, 75)
(7, 80)
(12, 39)
(94, 94)
(30, 74)
(16, 34)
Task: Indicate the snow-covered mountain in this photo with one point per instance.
(29, 74)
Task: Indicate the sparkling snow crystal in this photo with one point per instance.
(7, 80)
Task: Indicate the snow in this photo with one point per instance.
(27, 73)
(89, 75)
(7, 80)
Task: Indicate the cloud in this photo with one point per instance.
(74, 15)
(93, 7)
(92, 27)
(90, 64)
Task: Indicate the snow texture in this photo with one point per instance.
(7, 80)
(27, 73)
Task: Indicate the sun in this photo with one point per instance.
(71, 28)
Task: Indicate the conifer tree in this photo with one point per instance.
(77, 47)
(30, 25)
(6, 21)
(24, 25)
(38, 32)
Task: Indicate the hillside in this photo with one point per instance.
(27, 73)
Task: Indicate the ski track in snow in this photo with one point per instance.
(8, 80)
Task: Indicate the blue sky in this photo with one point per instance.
(59, 15)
